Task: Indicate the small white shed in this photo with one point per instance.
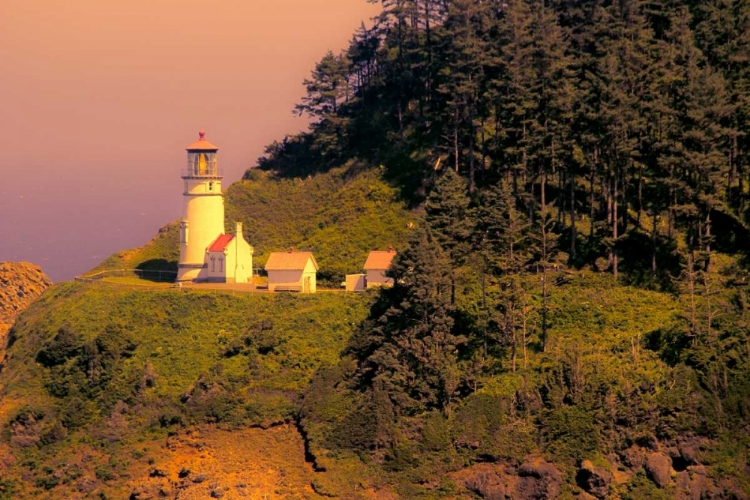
(376, 265)
(291, 272)
(355, 282)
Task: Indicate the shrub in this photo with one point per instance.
(65, 345)
(570, 432)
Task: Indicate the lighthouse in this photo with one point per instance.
(206, 253)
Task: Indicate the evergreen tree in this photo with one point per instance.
(411, 350)
(502, 228)
(450, 215)
(327, 91)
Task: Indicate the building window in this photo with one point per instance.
(221, 264)
(213, 264)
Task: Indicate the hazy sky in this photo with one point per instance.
(98, 99)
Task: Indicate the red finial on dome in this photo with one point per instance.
(202, 144)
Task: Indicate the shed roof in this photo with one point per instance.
(221, 243)
(202, 144)
(289, 261)
(379, 260)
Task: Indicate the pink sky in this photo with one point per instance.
(100, 98)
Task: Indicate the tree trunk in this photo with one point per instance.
(614, 228)
(708, 241)
(523, 339)
(640, 193)
(572, 217)
(455, 137)
(543, 191)
(471, 152)
(592, 214)
(653, 243)
(514, 348)
(691, 290)
(484, 309)
(484, 152)
(672, 203)
(544, 307)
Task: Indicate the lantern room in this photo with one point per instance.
(201, 159)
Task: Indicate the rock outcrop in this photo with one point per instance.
(594, 480)
(659, 469)
(535, 479)
(20, 284)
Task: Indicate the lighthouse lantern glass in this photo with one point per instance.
(202, 163)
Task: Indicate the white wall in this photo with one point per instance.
(216, 266)
(294, 278)
(240, 263)
(284, 278)
(203, 213)
(377, 277)
(355, 282)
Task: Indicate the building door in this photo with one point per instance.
(306, 286)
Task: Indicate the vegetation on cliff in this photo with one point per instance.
(569, 316)
(551, 145)
(93, 365)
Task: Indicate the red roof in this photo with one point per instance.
(289, 261)
(202, 144)
(379, 260)
(221, 243)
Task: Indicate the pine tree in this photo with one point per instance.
(450, 215)
(327, 91)
(463, 76)
(411, 350)
(502, 229)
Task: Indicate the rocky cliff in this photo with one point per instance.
(20, 284)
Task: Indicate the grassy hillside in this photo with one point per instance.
(161, 253)
(340, 215)
(108, 389)
(105, 367)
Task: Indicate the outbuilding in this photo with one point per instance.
(229, 259)
(376, 265)
(291, 272)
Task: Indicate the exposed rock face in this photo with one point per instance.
(535, 479)
(594, 480)
(20, 284)
(659, 469)
(688, 448)
(489, 481)
(539, 480)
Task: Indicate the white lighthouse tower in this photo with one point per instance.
(206, 253)
(202, 208)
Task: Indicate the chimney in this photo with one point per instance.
(238, 229)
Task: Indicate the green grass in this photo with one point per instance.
(280, 340)
(161, 253)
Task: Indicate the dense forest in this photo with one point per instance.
(623, 122)
(549, 144)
